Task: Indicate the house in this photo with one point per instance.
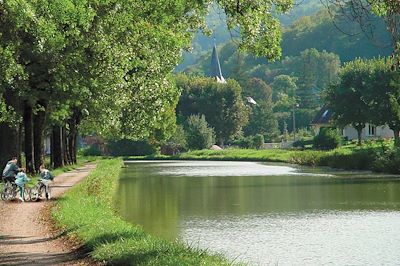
(324, 119)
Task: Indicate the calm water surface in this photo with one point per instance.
(267, 214)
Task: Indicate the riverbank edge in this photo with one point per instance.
(366, 159)
(87, 212)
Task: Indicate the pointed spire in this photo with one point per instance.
(216, 66)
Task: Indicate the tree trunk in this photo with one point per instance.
(56, 148)
(396, 137)
(38, 133)
(28, 130)
(73, 134)
(9, 144)
(359, 133)
(10, 135)
(64, 145)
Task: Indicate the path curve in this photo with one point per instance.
(28, 238)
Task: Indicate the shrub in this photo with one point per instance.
(199, 134)
(303, 143)
(92, 150)
(176, 144)
(387, 160)
(126, 147)
(327, 139)
(258, 141)
(356, 160)
(243, 142)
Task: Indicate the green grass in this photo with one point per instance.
(87, 212)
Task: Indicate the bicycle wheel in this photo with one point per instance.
(27, 194)
(4, 193)
(14, 191)
(42, 191)
(8, 193)
(34, 193)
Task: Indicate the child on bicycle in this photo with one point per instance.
(45, 178)
(20, 180)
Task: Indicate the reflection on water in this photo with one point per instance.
(265, 214)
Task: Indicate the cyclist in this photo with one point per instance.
(45, 178)
(11, 170)
(20, 180)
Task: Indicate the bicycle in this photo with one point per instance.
(39, 190)
(10, 192)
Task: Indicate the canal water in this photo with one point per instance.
(267, 214)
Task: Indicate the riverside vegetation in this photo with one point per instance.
(88, 212)
(379, 156)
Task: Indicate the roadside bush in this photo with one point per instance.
(303, 143)
(356, 160)
(243, 142)
(126, 147)
(198, 134)
(92, 150)
(258, 141)
(327, 139)
(387, 160)
(176, 144)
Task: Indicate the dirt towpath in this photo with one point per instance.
(26, 235)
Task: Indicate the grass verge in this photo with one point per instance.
(87, 212)
(375, 157)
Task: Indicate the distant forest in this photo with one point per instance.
(308, 21)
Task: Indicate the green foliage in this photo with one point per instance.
(327, 139)
(87, 212)
(262, 119)
(258, 141)
(92, 150)
(345, 99)
(177, 143)
(342, 38)
(126, 147)
(303, 143)
(81, 58)
(387, 160)
(198, 134)
(368, 92)
(221, 104)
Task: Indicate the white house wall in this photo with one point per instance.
(380, 132)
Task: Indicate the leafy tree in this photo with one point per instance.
(384, 95)
(284, 96)
(262, 119)
(347, 98)
(198, 134)
(221, 104)
(327, 139)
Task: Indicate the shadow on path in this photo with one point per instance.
(23, 258)
(27, 240)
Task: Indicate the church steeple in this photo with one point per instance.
(216, 66)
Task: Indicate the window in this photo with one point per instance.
(371, 130)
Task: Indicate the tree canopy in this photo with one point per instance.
(104, 66)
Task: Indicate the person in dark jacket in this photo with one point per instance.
(11, 170)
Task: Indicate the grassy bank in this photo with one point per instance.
(87, 212)
(374, 156)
